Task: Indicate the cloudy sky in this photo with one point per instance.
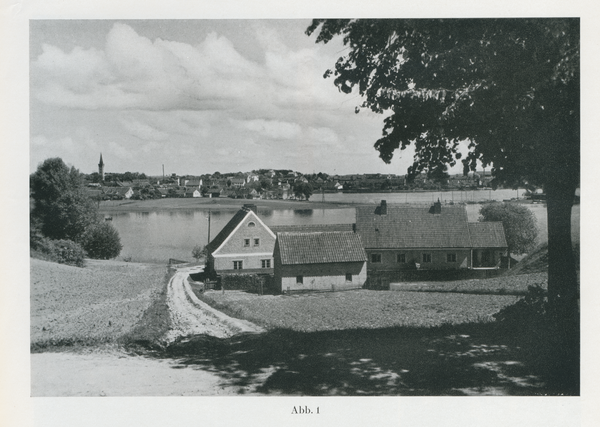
(198, 96)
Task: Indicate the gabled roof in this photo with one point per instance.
(310, 228)
(231, 226)
(227, 230)
(119, 190)
(487, 235)
(319, 248)
(413, 227)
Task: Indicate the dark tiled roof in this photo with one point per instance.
(310, 228)
(413, 227)
(227, 230)
(487, 235)
(319, 248)
(118, 190)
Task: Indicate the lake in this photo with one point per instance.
(159, 235)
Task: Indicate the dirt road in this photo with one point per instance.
(107, 371)
(190, 316)
(115, 373)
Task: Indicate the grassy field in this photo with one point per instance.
(102, 302)
(352, 343)
(389, 343)
(357, 309)
(507, 284)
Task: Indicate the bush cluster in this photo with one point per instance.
(62, 214)
(529, 309)
(61, 251)
(102, 242)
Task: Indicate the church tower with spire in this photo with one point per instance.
(101, 168)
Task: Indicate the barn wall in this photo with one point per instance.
(320, 277)
(438, 259)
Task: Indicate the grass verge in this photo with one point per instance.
(155, 322)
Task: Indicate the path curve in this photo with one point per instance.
(190, 316)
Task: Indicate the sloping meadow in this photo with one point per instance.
(99, 303)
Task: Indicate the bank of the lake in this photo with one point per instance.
(157, 230)
(204, 203)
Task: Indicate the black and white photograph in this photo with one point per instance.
(317, 210)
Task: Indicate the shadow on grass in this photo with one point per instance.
(470, 359)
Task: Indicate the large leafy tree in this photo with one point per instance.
(303, 190)
(508, 88)
(60, 209)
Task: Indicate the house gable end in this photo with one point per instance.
(260, 231)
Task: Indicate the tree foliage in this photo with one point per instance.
(198, 252)
(60, 209)
(62, 212)
(490, 82)
(519, 223)
(102, 242)
(70, 216)
(303, 190)
(508, 88)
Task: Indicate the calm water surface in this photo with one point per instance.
(160, 235)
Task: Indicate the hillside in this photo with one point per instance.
(537, 261)
(98, 303)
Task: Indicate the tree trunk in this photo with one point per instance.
(563, 295)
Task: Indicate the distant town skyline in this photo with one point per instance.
(198, 96)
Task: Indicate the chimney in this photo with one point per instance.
(250, 207)
(436, 208)
(382, 209)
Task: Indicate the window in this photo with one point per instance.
(256, 242)
(426, 257)
(450, 257)
(246, 243)
(265, 263)
(238, 265)
(348, 277)
(300, 279)
(401, 258)
(375, 258)
(485, 256)
(251, 224)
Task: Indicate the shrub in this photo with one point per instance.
(199, 252)
(61, 251)
(520, 225)
(529, 309)
(102, 242)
